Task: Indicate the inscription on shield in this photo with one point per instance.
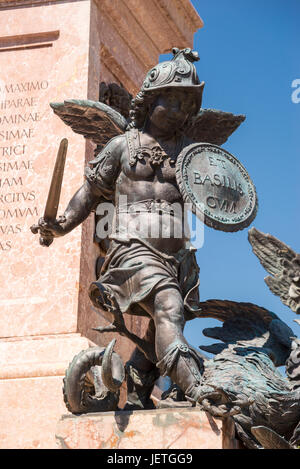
(217, 185)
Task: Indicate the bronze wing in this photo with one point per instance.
(94, 120)
(246, 325)
(213, 126)
(282, 263)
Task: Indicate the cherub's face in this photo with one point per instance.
(172, 108)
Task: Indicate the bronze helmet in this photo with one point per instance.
(180, 72)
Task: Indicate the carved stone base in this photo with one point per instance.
(31, 378)
(141, 429)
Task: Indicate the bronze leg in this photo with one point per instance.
(175, 358)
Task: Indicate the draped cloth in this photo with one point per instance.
(133, 269)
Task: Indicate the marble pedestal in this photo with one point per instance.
(187, 428)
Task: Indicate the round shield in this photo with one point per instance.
(217, 185)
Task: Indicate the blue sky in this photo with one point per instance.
(249, 57)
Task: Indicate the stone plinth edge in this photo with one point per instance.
(188, 428)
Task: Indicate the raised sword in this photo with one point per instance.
(54, 193)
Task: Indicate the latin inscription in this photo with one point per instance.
(19, 116)
(222, 204)
(219, 180)
(217, 185)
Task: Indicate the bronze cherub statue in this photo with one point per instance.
(153, 276)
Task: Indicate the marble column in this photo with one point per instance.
(51, 51)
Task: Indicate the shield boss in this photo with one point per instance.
(217, 185)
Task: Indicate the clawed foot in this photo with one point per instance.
(227, 407)
(221, 411)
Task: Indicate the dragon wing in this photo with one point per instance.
(282, 263)
(246, 325)
(213, 126)
(269, 439)
(94, 120)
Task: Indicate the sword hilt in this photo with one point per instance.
(45, 240)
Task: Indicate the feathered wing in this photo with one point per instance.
(115, 96)
(282, 263)
(242, 378)
(213, 126)
(94, 120)
(269, 439)
(99, 122)
(246, 325)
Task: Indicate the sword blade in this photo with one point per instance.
(56, 182)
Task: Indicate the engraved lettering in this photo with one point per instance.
(223, 165)
(18, 103)
(13, 197)
(223, 206)
(16, 134)
(11, 182)
(210, 201)
(212, 161)
(5, 246)
(16, 165)
(233, 208)
(18, 213)
(198, 179)
(10, 229)
(20, 118)
(222, 184)
(207, 178)
(13, 150)
(217, 180)
(26, 86)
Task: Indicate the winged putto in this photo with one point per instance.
(138, 145)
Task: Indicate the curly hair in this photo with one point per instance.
(140, 107)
